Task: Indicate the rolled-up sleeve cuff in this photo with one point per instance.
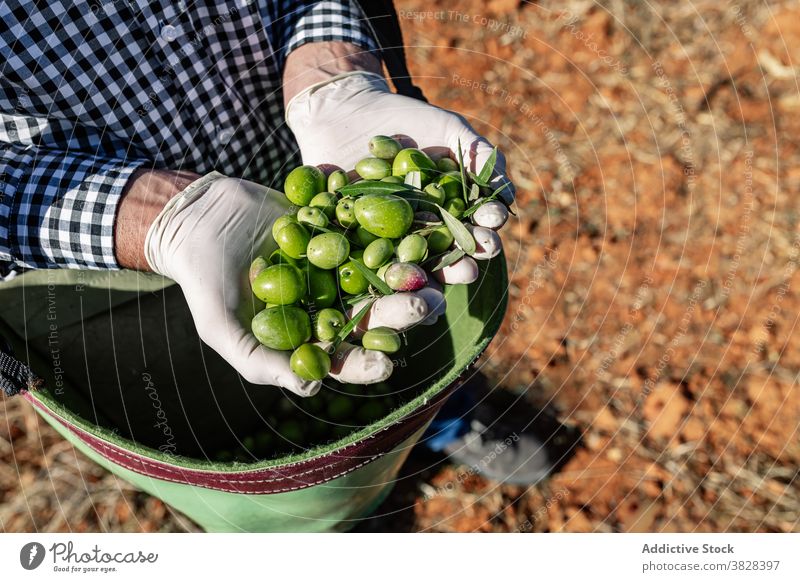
(326, 21)
(58, 209)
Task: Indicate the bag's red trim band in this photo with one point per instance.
(313, 471)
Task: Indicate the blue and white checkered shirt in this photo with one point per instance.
(91, 91)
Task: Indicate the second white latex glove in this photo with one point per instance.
(332, 122)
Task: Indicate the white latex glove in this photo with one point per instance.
(333, 121)
(205, 239)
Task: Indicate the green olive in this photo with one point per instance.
(384, 147)
(382, 271)
(411, 160)
(412, 249)
(313, 217)
(325, 201)
(405, 277)
(337, 179)
(258, 265)
(440, 239)
(393, 180)
(224, 456)
(264, 442)
(346, 213)
(285, 407)
(451, 182)
(364, 237)
(249, 442)
(385, 215)
(349, 388)
(282, 328)
(328, 250)
(319, 428)
(370, 411)
(291, 432)
(378, 252)
(321, 290)
(313, 405)
(351, 280)
(382, 339)
(413, 197)
(293, 239)
(303, 183)
(446, 165)
(373, 168)
(279, 256)
(281, 222)
(279, 284)
(455, 206)
(340, 408)
(310, 362)
(434, 195)
(328, 323)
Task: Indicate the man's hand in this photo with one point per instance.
(204, 238)
(336, 99)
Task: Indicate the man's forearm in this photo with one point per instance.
(319, 61)
(145, 195)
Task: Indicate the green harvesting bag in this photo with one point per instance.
(129, 383)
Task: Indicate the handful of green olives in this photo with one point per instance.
(355, 236)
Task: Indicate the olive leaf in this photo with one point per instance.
(348, 328)
(471, 210)
(423, 231)
(358, 298)
(503, 186)
(428, 222)
(481, 201)
(463, 174)
(496, 194)
(427, 228)
(463, 237)
(488, 167)
(370, 276)
(477, 179)
(448, 259)
(474, 193)
(372, 187)
(420, 159)
(414, 179)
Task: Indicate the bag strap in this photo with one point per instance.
(15, 376)
(381, 18)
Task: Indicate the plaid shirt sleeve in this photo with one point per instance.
(57, 208)
(304, 22)
(66, 140)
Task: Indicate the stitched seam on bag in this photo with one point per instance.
(109, 449)
(242, 481)
(183, 472)
(154, 465)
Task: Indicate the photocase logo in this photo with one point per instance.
(31, 555)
